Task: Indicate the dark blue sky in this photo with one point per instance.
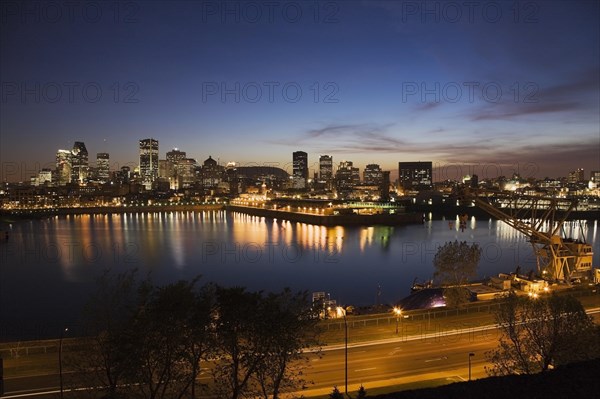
(500, 85)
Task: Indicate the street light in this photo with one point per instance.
(398, 313)
(342, 311)
(60, 342)
(471, 354)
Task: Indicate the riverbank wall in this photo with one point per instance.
(332, 220)
(16, 214)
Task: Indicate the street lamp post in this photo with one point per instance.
(471, 354)
(343, 312)
(1, 376)
(60, 343)
(398, 313)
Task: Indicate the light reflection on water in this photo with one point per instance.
(49, 266)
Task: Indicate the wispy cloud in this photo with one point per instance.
(514, 110)
(348, 138)
(427, 106)
(577, 94)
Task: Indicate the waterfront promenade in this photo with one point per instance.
(331, 220)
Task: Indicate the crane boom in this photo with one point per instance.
(558, 258)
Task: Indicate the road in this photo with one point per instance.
(428, 359)
(376, 363)
(405, 360)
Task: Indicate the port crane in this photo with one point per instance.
(541, 219)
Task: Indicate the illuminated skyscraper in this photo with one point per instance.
(63, 167)
(148, 161)
(300, 169)
(79, 163)
(415, 175)
(326, 170)
(346, 177)
(372, 175)
(576, 176)
(103, 167)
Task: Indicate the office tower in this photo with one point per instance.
(175, 156)
(326, 170)
(372, 175)
(173, 168)
(300, 169)
(79, 163)
(63, 167)
(231, 175)
(103, 167)
(384, 193)
(595, 176)
(415, 176)
(148, 161)
(346, 176)
(211, 173)
(576, 176)
(123, 176)
(186, 172)
(43, 178)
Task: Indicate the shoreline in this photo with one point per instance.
(21, 214)
(323, 220)
(332, 220)
(414, 214)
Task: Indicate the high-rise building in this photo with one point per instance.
(211, 173)
(594, 179)
(63, 167)
(44, 177)
(576, 176)
(123, 176)
(384, 188)
(346, 177)
(415, 175)
(175, 155)
(79, 163)
(326, 170)
(103, 167)
(372, 175)
(148, 161)
(300, 169)
(174, 167)
(186, 172)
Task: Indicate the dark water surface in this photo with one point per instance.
(48, 267)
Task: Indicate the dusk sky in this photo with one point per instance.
(500, 85)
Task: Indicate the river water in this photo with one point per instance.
(49, 266)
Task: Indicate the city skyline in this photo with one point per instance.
(381, 82)
(437, 172)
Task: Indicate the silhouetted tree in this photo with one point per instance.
(336, 394)
(169, 339)
(108, 316)
(455, 263)
(362, 393)
(289, 325)
(239, 341)
(538, 334)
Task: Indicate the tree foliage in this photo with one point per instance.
(538, 334)
(362, 393)
(107, 317)
(336, 394)
(151, 341)
(261, 339)
(455, 263)
(290, 327)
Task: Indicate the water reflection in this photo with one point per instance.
(62, 254)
